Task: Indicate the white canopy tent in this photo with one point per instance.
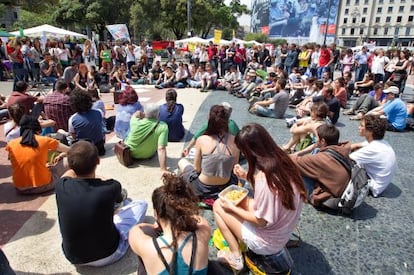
(222, 41)
(194, 40)
(48, 31)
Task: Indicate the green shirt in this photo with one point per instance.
(233, 129)
(139, 128)
(106, 56)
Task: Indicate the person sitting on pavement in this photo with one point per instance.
(181, 76)
(233, 130)
(208, 79)
(171, 113)
(128, 105)
(249, 84)
(57, 106)
(265, 222)
(167, 78)
(340, 91)
(91, 234)
(69, 74)
(367, 102)
(147, 135)
(155, 72)
(364, 86)
(86, 123)
(375, 154)
(215, 156)
(329, 98)
(231, 79)
(324, 177)
(303, 108)
(49, 70)
(22, 97)
(305, 128)
(394, 109)
(12, 128)
(166, 246)
(276, 106)
(195, 81)
(33, 173)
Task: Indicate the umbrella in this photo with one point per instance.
(5, 34)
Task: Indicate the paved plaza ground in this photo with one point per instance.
(375, 240)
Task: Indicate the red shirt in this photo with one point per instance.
(325, 56)
(23, 99)
(211, 51)
(16, 57)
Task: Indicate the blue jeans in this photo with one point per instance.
(309, 185)
(263, 111)
(321, 70)
(127, 217)
(360, 71)
(19, 73)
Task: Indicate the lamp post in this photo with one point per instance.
(327, 21)
(189, 18)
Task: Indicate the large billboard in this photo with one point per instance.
(303, 18)
(260, 15)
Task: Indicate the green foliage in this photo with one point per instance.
(259, 37)
(277, 42)
(2, 9)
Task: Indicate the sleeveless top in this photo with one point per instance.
(218, 164)
(83, 80)
(180, 266)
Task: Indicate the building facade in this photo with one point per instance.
(385, 22)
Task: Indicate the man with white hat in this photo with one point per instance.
(394, 109)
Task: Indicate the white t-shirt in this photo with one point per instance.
(10, 132)
(379, 161)
(378, 64)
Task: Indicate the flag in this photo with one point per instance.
(119, 31)
(21, 31)
(234, 34)
(217, 36)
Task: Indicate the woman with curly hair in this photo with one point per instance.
(264, 223)
(128, 105)
(178, 242)
(171, 113)
(86, 123)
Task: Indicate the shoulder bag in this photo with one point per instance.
(123, 152)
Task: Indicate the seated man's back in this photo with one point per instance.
(86, 209)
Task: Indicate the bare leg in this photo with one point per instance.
(230, 227)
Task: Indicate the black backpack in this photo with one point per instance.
(356, 189)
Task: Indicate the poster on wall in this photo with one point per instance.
(260, 15)
(302, 18)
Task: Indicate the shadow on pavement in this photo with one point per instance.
(392, 192)
(11, 221)
(9, 195)
(309, 260)
(5, 171)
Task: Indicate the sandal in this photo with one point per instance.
(225, 256)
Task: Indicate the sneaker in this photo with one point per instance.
(291, 121)
(227, 257)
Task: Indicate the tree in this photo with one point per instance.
(92, 13)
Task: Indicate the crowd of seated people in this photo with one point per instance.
(280, 182)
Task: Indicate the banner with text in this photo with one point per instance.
(119, 31)
(217, 36)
